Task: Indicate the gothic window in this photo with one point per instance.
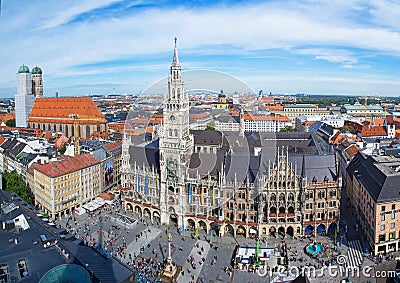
(282, 197)
(273, 197)
(282, 210)
(291, 197)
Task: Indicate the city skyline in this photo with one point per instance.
(99, 47)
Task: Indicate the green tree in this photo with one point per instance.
(210, 126)
(62, 149)
(10, 123)
(349, 129)
(14, 183)
(287, 129)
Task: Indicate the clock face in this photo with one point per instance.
(172, 118)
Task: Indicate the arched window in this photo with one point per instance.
(291, 196)
(273, 197)
(87, 131)
(282, 197)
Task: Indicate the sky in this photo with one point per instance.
(114, 46)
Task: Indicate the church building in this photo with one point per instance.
(254, 184)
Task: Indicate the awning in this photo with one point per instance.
(320, 229)
(253, 230)
(332, 226)
(309, 230)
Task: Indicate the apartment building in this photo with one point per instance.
(62, 185)
(372, 186)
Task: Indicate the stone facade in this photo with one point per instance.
(254, 184)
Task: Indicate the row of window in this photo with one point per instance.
(320, 216)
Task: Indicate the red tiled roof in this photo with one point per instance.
(308, 123)
(198, 115)
(6, 117)
(2, 139)
(275, 107)
(375, 131)
(67, 164)
(266, 118)
(111, 146)
(58, 110)
(352, 150)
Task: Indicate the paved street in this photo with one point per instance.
(141, 243)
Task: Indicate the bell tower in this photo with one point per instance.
(176, 144)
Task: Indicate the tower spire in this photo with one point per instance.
(175, 60)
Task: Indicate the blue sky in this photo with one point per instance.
(104, 46)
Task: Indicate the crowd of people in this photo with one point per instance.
(112, 241)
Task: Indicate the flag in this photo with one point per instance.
(138, 183)
(183, 228)
(190, 193)
(146, 185)
(212, 198)
(201, 194)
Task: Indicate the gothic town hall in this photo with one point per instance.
(254, 184)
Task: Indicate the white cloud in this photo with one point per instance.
(58, 46)
(73, 10)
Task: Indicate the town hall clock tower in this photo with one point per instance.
(176, 146)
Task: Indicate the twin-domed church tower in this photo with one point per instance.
(176, 143)
(30, 87)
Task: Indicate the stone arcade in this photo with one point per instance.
(255, 184)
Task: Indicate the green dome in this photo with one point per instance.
(36, 70)
(71, 273)
(23, 69)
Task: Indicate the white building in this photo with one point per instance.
(265, 123)
(336, 121)
(24, 99)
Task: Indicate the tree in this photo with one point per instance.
(349, 129)
(14, 183)
(210, 126)
(10, 123)
(287, 129)
(62, 149)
